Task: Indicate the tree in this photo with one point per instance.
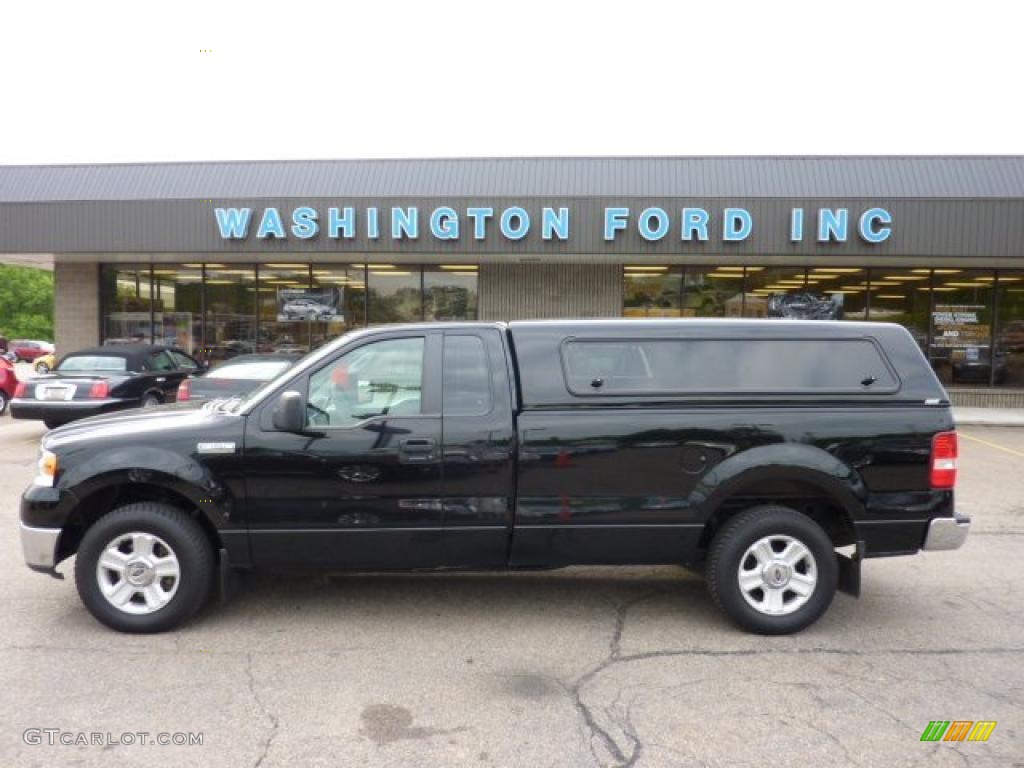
(26, 303)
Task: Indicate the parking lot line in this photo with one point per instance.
(997, 446)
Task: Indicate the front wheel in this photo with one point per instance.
(145, 567)
(772, 570)
(3, 403)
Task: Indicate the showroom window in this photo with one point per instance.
(127, 300)
(960, 346)
(395, 293)
(218, 310)
(178, 306)
(781, 292)
(284, 324)
(900, 296)
(230, 311)
(1009, 347)
(712, 292)
(341, 291)
(845, 287)
(653, 291)
(450, 292)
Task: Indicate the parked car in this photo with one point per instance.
(103, 379)
(306, 309)
(8, 383)
(27, 351)
(753, 450)
(45, 363)
(232, 378)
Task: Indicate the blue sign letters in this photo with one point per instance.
(514, 223)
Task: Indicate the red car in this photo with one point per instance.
(27, 350)
(8, 383)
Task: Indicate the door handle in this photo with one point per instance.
(416, 450)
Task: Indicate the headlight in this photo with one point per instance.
(47, 474)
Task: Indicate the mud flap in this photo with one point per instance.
(849, 570)
(228, 578)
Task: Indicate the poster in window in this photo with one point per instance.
(805, 306)
(957, 333)
(294, 304)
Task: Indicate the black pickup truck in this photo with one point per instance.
(772, 455)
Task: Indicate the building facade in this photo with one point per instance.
(227, 258)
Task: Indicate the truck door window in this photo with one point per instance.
(467, 376)
(384, 378)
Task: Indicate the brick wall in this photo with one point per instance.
(77, 309)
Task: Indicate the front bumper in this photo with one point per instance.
(947, 533)
(40, 547)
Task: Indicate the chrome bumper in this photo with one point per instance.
(947, 533)
(40, 547)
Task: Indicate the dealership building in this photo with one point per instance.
(227, 258)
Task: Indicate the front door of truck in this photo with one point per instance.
(361, 487)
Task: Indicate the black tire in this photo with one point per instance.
(183, 536)
(728, 552)
(3, 403)
(149, 400)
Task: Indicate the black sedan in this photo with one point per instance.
(103, 379)
(234, 378)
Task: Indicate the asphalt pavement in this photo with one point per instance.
(578, 667)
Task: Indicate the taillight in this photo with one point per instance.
(944, 454)
(99, 390)
(184, 390)
(19, 390)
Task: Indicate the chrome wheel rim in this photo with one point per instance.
(138, 573)
(777, 575)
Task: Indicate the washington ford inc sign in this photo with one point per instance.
(824, 225)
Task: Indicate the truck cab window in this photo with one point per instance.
(380, 379)
(467, 377)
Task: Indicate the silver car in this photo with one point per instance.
(306, 309)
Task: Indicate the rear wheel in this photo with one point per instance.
(772, 570)
(145, 567)
(3, 403)
(150, 400)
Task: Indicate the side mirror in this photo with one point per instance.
(290, 412)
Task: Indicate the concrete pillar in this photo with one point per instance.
(77, 306)
(537, 291)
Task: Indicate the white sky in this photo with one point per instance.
(103, 81)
